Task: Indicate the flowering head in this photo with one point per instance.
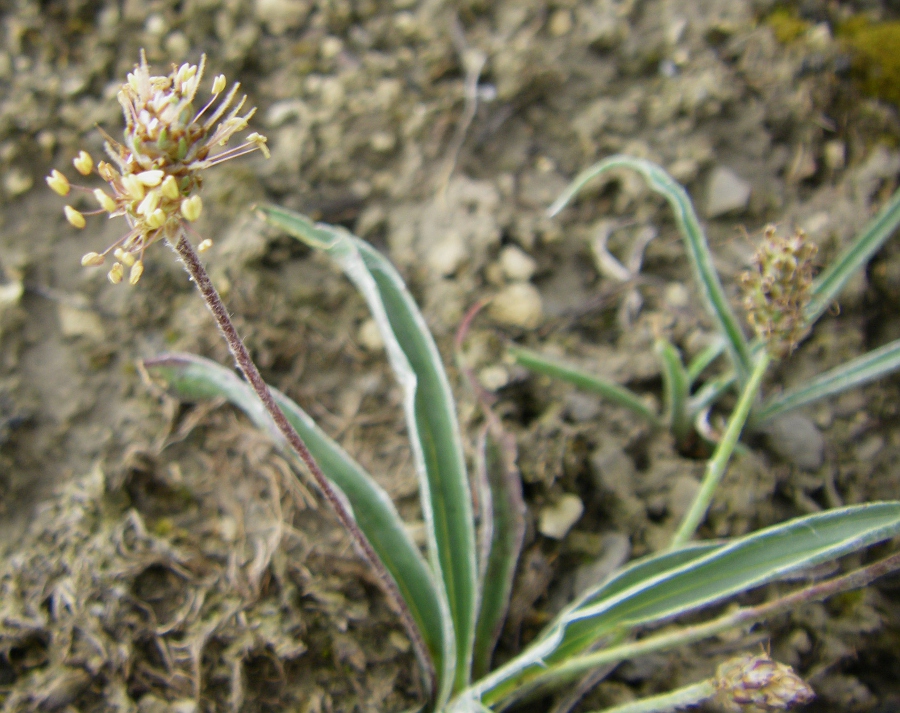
(778, 288)
(155, 172)
(761, 683)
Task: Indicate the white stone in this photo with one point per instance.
(281, 15)
(557, 519)
(370, 336)
(75, 322)
(517, 265)
(493, 377)
(726, 192)
(518, 305)
(446, 257)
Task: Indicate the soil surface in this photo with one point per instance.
(163, 557)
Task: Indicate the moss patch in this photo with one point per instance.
(876, 56)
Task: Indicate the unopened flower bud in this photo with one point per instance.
(74, 217)
(191, 208)
(204, 245)
(136, 271)
(58, 183)
(83, 163)
(170, 188)
(116, 273)
(92, 259)
(106, 202)
(219, 84)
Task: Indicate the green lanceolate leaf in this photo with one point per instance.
(431, 420)
(503, 529)
(659, 591)
(831, 281)
(583, 380)
(856, 372)
(192, 378)
(676, 386)
(505, 679)
(694, 240)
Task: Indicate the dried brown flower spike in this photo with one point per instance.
(759, 681)
(778, 289)
(167, 144)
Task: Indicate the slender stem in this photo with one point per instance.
(245, 363)
(715, 469)
(670, 639)
(684, 697)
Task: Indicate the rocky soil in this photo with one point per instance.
(163, 557)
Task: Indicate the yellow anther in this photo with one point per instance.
(125, 258)
(106, 171)
(150, 178)
(219, 84)
(92, 259)
(204, 245)
(74, 217)
(191, 208)
(260, 142)
(105, 200)
(149, 204)
(58, 182)
(136, 271)
(156, 219)
(116, 273)
(170, 188)
(83, 163)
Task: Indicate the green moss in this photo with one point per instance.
(876, 56)
(786, 26)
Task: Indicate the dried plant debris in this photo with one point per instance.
(185, 589)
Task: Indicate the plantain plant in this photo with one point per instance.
(783, 303)
(451, 599)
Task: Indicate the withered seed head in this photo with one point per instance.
(778, 288)
(156, 169)
(759, 681)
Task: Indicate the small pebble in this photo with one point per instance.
(517, 265)
(446, 257)
(75, 322)
(560, 23)
(16, 182)
(557, 519)
(726, 192)
(835, 154)
(795, 439)
(493, 377)
(582, 407)
(370, 337)
(518, 305)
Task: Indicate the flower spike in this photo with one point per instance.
(154, 172)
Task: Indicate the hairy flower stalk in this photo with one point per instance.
(167, 145)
